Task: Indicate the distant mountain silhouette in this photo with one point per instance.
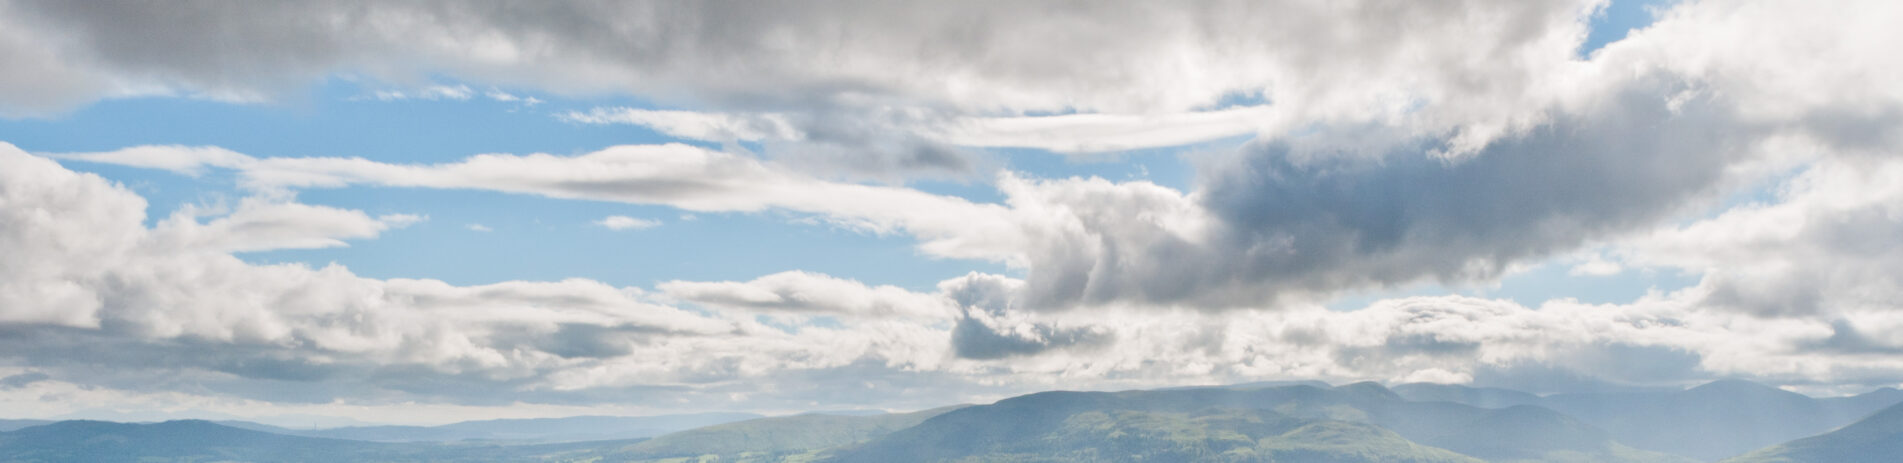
(782, 436)
(1267, 424)
(1361, 422)
(1037, 433)
(190, 440)
(1708, 422)
(195, 441)
(9, 425)
(1876, 439)
(1483, 397)
(540, 430)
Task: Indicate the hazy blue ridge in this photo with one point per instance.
(1875, 439)
(1224, 424)
(532, 430)
(1362, 422)
(1709, 422)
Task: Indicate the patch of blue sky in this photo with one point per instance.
(534, 238)
(1617, 19)
(339, 119)
(1554, 279)
(531, 238)
(1238, 99)
(1173, 166)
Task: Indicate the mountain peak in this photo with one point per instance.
(1739, 386)
(1369, 388)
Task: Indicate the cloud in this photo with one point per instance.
(1458, 142)
(1070, 133)
(681, 176)
(98, 302)
(22, 380)
(691, 125)
(624, 223)
(1119, 56)
(261, 224)
(798, 292)
(875, 90)
(186, 160)
(1824, 247)
(170, 291)
(434, 92)
(1453, 146)
(506, 97)
(992, 324)
(476, 227)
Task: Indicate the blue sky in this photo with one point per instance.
(410, 225)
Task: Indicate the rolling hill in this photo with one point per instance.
(532, 430)
(794, 437)
(1708, 422)
(1241, 424)
(1362, 422)
(107, 442)
(1875, 439)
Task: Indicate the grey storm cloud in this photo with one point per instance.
(986, 330)
(1296, 217)
(782, 54)
(22, 379)
(972, 338)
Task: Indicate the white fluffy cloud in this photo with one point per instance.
(1474, 168)
(1398, 142)
(102, 290)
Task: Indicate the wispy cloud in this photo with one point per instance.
(624, 223)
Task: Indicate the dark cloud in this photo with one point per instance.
(23, 379)
(1846, 338)
(1295, 217)
(974, 339)
(991, 326)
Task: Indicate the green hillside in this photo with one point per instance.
(786, 438)
(1876, 439)
(193, 441)
(1223, 435)
(1360, 422)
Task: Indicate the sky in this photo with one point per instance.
(422, 212)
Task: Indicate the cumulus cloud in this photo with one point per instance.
(164, 292)
(103, 302)
(1825, 247)
(1398, 142)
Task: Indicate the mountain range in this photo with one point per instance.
(534, 430)
(1263, 422)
